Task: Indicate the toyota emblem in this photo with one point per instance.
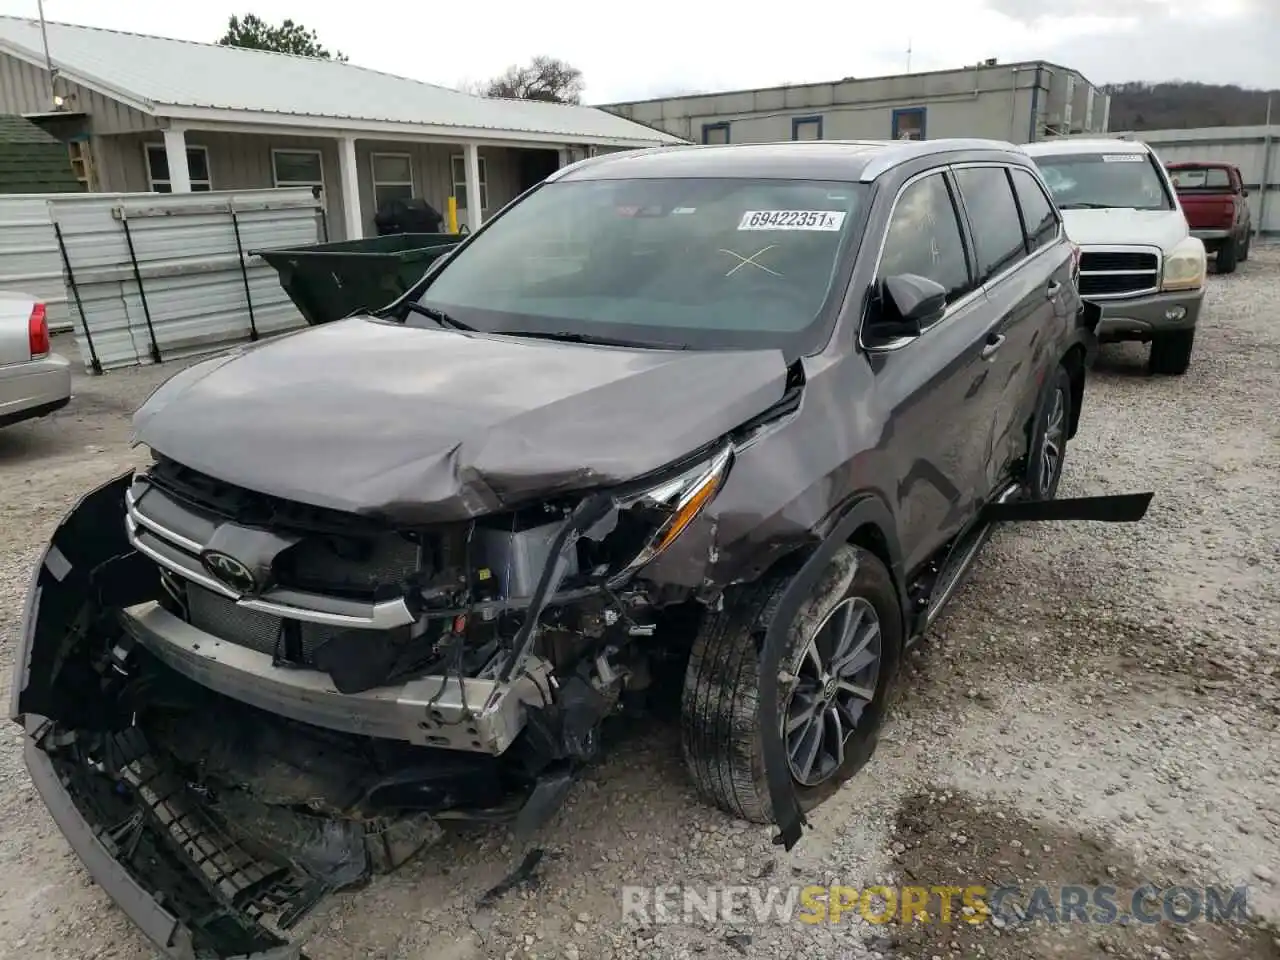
(227, 570)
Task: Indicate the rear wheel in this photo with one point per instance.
(1171, 352)
(1048, 449)
(842, 650)
(1228, 253)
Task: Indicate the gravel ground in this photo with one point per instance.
(1100, 705)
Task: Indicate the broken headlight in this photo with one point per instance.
(666, 509)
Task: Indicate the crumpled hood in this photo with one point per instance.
(1162, 228)
(423, 425)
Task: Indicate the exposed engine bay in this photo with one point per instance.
(298, 696)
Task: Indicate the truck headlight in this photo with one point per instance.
(1184, 266)
(668, 508)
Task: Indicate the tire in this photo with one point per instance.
(1171, 352)
(1047, 451)
(1227, 256)
(720, 719)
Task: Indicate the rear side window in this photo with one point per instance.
(1038, 215)
(924, 237)
(993, 214)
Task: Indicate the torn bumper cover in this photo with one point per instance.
(203, 876)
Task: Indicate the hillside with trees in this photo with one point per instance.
(1180, 105)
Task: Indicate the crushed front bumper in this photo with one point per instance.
(1143, 318)
(102, 857)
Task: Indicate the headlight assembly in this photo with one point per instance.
(675, 503)
(1184, 266)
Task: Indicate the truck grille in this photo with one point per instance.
(1108, 274)
(224, 618)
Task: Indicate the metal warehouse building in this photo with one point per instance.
(1003, 101)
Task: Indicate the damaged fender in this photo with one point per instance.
(787, 813)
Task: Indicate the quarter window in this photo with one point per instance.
(924, 238)
(993, 215)
(1038, 215)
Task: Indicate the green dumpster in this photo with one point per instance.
(329, 281)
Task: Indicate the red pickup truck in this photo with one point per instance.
(1216, 204)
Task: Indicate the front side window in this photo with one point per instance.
(924, 238)
(993, 217)
(1038, 215)
(197, 168)
(704, 263)
(1105, 181)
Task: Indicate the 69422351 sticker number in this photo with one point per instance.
(792, 220)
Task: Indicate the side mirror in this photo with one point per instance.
(907, 304)
(1244, 191)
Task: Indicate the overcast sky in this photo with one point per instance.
(662, 47)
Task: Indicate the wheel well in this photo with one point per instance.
(871, 538)
(1073, 363)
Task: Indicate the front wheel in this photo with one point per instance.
(842, 650)
(1171, 352)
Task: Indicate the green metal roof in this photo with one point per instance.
(32, 161)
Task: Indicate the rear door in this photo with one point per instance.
(935, 385)
(1027, 288)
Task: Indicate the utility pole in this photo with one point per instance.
(48, 61)
(908, 54)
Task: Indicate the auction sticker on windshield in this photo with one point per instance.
(792, 220)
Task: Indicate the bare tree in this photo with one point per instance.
(543, 78)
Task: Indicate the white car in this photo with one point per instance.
(34, 380)
(1139, 261)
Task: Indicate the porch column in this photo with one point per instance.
(564, 156)
(349, 175)
(175, 154)
(471, 161)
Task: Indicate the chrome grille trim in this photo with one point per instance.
(180, 554)
(1146, 281)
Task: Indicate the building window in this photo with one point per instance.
(197, 167)
(806, 128)
(715, 133)
(460, 182)
(297, 168)
(392, 178)
(908, 124)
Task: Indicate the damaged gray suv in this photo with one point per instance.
(746, 412)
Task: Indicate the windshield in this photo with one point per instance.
(1087, 181)
(1200, 178)
(695, 263)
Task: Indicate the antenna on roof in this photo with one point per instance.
(48, 61)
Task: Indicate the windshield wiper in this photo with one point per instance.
(564, 336)
(439, 316)
(1087, 205)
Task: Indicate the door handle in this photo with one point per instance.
(994, 343)
(1052, 289)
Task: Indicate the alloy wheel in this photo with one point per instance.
(836, 675)
(1051, 445)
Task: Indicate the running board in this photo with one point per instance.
(1116, 508)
